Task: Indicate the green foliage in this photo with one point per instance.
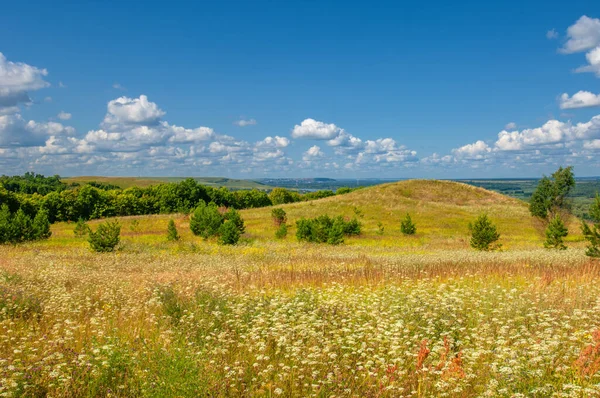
(8, 232)
(483, 234)
(592, 235)
(407, 226)
(279, 216)
(30, 183)
(324, 229)
(550, 194)
(81, 228)
(555, 232)
(282, 231)
(106, 237)
(281, 196)
(206, 220)
(229, 233)
(234, 216)
(41, 225)
(172, 234)
(343, 190)
(380, 228)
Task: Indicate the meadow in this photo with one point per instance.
(383, 315)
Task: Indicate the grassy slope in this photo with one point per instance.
(126, 182)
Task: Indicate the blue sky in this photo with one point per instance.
(272, 89)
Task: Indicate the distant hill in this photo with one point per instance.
(126, 182)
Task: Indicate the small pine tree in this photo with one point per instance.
(592, 235)
(22, 225)
(279, 216)
(336, 232)
(234, 216)
(483, 233)
(8, 232)
(229, 233)
(106, 237)
(281, 232)
(206, 220)
(380, 228)
(172, 234)
(81, 228)
(41, 225)
(555, 233)
(407, 226)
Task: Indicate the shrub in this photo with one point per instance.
(380, 228)
(234, 216)
(81, 228)
(281, 232)
(206, 220)
(407, 226)
(352, 227)
(8, 232)
(555, 233)
(336, 232)
(229, 233)
(592, 235)
(320, 229)
(106, 237)
(304, 229)
(279, 216)
(172, 234)
(483, 233)
(23, 228)
(41, 225)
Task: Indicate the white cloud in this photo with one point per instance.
(64, 115)
(346, 140)
(581, 99)
(510, 126)
(477, 150)
(313, 129)
(118, 86)
(593, 144)
(277, 142)
(244, 123)
(593, 58)
(182, 135)
(552, 34)
(583, 35)
(128, 111)
(312, 153)
(16, 132)
(16, 80)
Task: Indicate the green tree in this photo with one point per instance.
(81, 228)
(206, 220)
(592, 235)
(106, 237)
(279, 216)
(234, 216)
(8, 232)
(555, 232)
(22, 225)
(41, 225)
(281, 196)
(550, 195)
(407, 226)
(483, 233)
(172, 234)
(229, 233)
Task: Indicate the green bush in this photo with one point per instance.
(279, 216)
(234, 216)
(41, 225)
(172, 234)
(324, 229)
(81, 228)
(281, 232)
(229, 233)
(206, 220)
(592, 235)
(407, 226)
(483, 234)
(380, 228)
(18, 227)
(555, 233)
(106, 237)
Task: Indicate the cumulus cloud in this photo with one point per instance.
(244, 123)
(17, 132)
(552, 34)
(128, 111)
(17, 79)
(584, 35)
(581, 99)
(313, 129)
(312, 153)
(477, 150)
(510, 126)
(63, 115)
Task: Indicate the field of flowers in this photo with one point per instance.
(255, 320)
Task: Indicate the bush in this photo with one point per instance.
(229, 233)
(324, 229)
(380, 228)
(281, 232)
(483, 234)
(592, 235)
(206, 220)
(407, 226)
(106, 237)
(279, 216)
(555, 233)
(81, 228)
(234, 216)
(172, 234)
(18, 227)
